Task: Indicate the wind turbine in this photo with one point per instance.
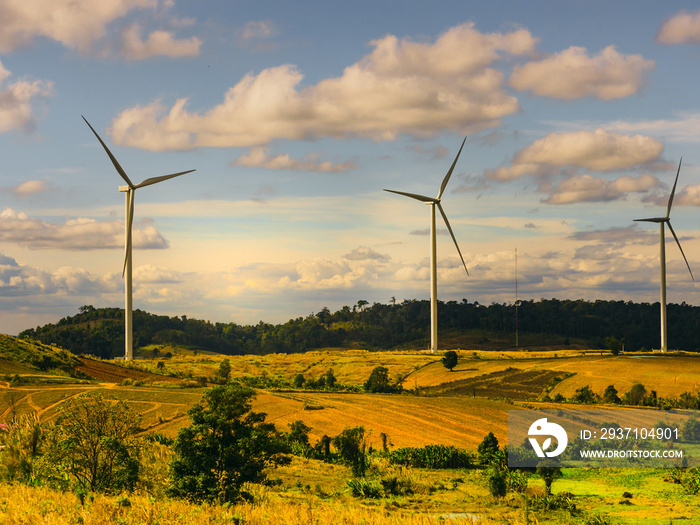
(433, 203)
(662, 243)
(129, 191)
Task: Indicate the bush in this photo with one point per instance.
(432, 457)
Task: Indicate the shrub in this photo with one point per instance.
(432, 457)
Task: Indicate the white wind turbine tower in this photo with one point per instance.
(435, 202)
(662, 243)
(129, 191)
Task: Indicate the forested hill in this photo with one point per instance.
(100, 331)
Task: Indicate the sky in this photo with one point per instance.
(296, 116)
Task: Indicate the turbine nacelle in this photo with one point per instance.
(436, 201)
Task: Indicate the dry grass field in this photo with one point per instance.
(670, 375)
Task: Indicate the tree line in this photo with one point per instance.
(100, 331)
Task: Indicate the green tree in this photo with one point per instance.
(225, 369)
(225, 446)
(330, 378)
(378, 381)
(450, 359)
(610, 395)
(94, 443)
(613, 345)
(635, 395)
(584, 395)
(298, 381)
(691, 430)
(487, 448)
(351, 447)
(548, 470)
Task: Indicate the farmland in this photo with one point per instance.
(438, 406)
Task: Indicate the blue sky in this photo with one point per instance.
(297, 115)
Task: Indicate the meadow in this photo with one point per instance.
(448, 407)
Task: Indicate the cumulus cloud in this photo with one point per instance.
(585, 188)
(29, 187)
(22, 280)
(598, 150)
(17, 101)
(574, 74)
(74, 234)
(681, 28)
(77, 24)
(260, 157)
(688, 196)
(363, 253)
(83, 25)
(418, 88)
(158, 43)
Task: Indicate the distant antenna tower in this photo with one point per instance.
(516, 298)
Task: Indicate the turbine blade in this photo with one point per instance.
(449, 173)
(421, 198)
(681, 249)
(154, 180)
(449, 228)
(673, 191)
(652, 219)
(130, 222)
(120, 170)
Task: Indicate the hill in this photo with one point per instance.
(545, 324)
(25, 359)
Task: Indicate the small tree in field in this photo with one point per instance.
(488, 448)
(225, 446)
(94, 443)
(548, 470)
(450, 359)
(225, 369)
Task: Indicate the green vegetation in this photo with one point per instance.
(226, 446)
(99, 331)
(450, 359)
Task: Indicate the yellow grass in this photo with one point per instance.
(23, 505)
(669, 375)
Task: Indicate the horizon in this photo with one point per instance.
(296, 118)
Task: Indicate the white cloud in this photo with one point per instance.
(74, 234)
(17, 99)
(18, 280)
(259, 157)
(400, 87)
(573, 74)
(598, 150)
(258, 30)
(29, 187)
(585, 188)
(684, 128)
(76, 24)
(158, 43)
(681, 28)
(84, 25)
